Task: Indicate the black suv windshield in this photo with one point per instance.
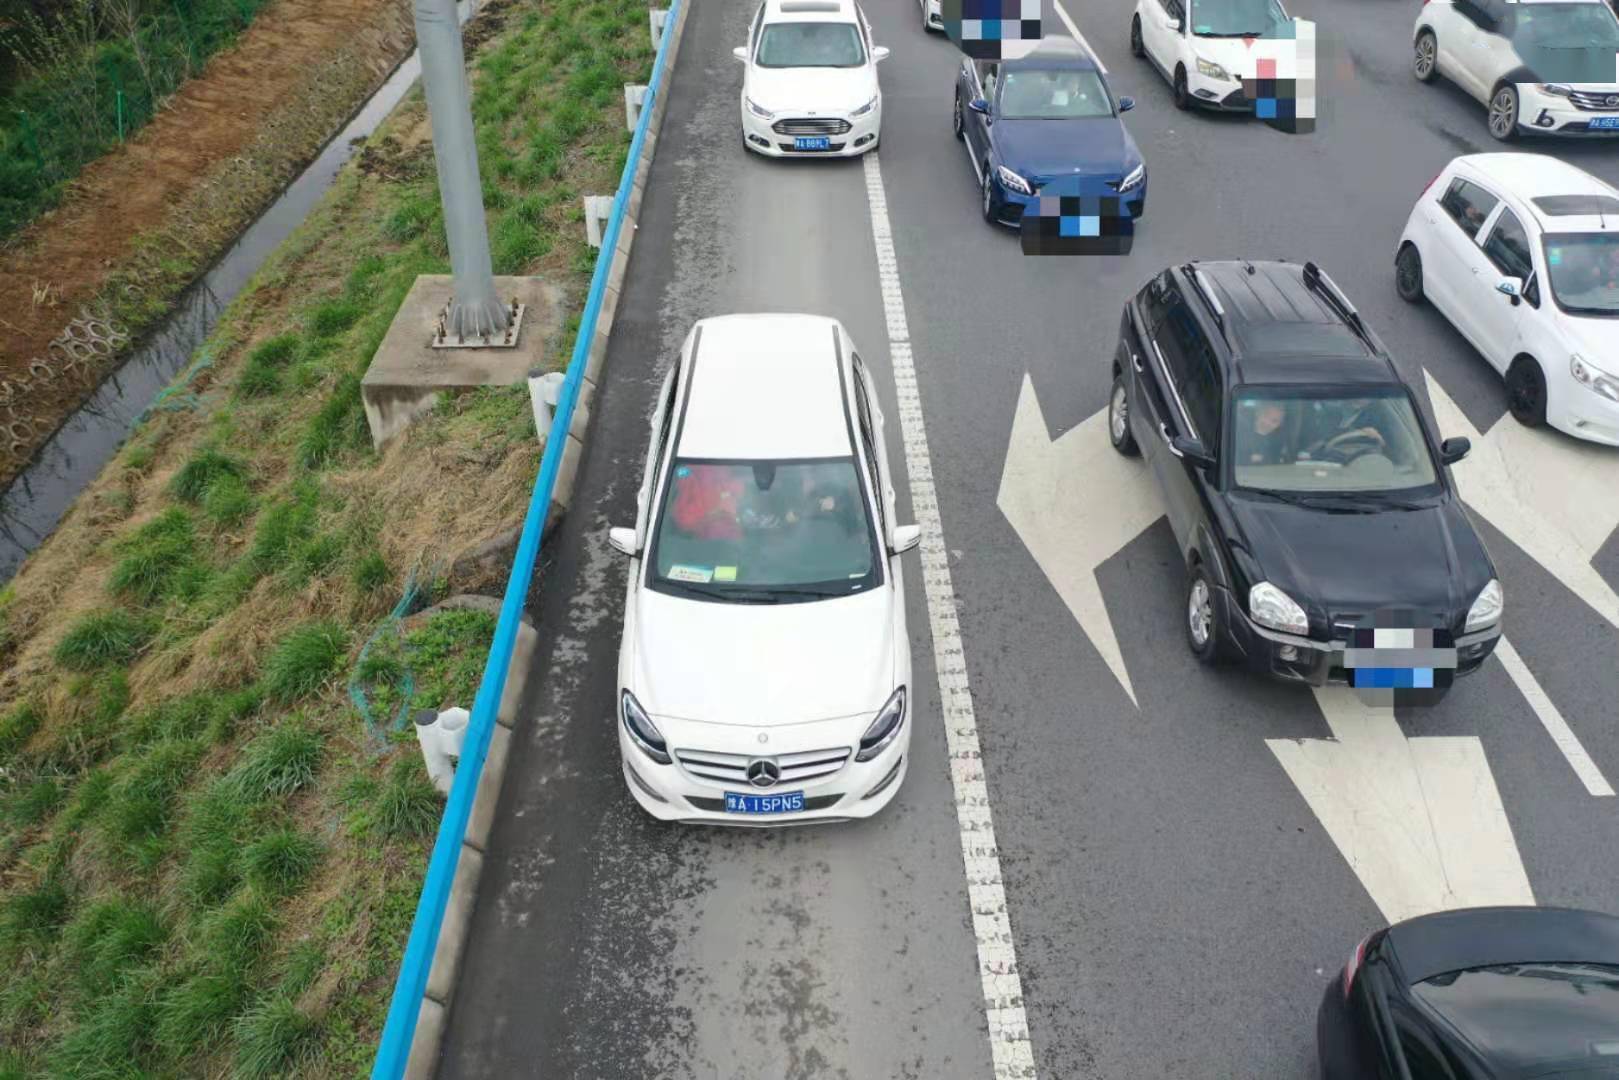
(1236, 18)
(1584, 272)
(814, 44)
(1053, 94)
(762, 531)
(1314, 440)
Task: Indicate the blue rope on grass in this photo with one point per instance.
(379, 731)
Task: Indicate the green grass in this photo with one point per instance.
(334, 317)
(228, 501)
(36, 802)
(143, 800)
(108, 938)
(113, 1037)
(339, 425)
(104, 637)
(278, 762)
(275, 1038)
(34, 914)
(234, 937)
(261, 375)
(371, 572)
(407, 804)
(304, 660)
(280, 861)
(283, 529)
(18, 726)
(196, 1010)
(206, 468)
(156, 558)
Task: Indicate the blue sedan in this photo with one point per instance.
(1045, 117)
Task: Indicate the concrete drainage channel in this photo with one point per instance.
(413, 1035)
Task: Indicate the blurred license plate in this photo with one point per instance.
(812, 142)
(1393, 678)
(1608, 123)
(785, 802)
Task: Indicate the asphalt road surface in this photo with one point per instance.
(1181, 880)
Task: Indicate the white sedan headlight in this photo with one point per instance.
(884, 729)
(757, 110)
(643, 732)
(1134, 177)
(866, 108)
(1486, 610)
(1593, 379)
(1272, 607)
(1210, 69)
(1013, 180)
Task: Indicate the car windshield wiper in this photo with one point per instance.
(1318, 500)
(1237, 33)
(686, 588)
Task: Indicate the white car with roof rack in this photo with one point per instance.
(1521, 253)
(810, 89)
(765, 667)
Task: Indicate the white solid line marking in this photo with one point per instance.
(1552, 720)
(1009, 1045)
(1062, 12)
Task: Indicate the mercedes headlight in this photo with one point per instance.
(1486, 610)
(1593, 379)
(866, 108)
(1272, 607)
(1557, 89)
(1134, 178)
(757, 110)
(643, 732)
(884, 729)
(1013, 180)
(1212, 70)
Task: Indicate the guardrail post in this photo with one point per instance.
(634, 98)
(598, 208)
(659, 18)
(440, 735)
(544, 389)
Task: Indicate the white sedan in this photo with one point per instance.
(810, 89)
(765, 667)
(1521, 253)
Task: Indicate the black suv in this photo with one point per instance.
(1305, 489)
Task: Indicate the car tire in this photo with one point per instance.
(1202, 618)
(1118, 419)
(1526, 392)
(1503, 117)
(1408, 274)
(1138, 48)
(987, 198)
(1183, 98)
(958, 122)
(1425, 61)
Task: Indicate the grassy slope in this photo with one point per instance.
(207, 867)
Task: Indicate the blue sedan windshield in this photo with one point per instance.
(1053, 95)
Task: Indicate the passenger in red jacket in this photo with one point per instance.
(706, 501)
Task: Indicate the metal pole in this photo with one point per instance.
(475, 310)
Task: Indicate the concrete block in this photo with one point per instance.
(487, 799)
(517, 674)
(407, 375)
(598, 208)
(659, 19)
(567, 472)
(581, 410)
(452, 936)
(634, 98)
(424, 1046)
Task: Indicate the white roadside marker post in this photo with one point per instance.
(440, 735)
(634, 98)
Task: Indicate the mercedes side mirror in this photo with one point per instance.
(1510, 287)
(1192, 450)
(979, 105)
(879, 53)
(741, 53)
(623, 540)
(1453, 450)
(904, 538)
(1126, 104)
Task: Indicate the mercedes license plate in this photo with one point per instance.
(786, 802)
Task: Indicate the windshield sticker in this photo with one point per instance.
(1554, 256)
(690, 573)
(1202, 28)
(683, 472)
(724, 573)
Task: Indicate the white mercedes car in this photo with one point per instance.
(810, 89)
(765, 667)
(1521, 253)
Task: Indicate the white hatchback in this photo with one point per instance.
(1521, 253)
(1199, 46)
(765, 668)
(811, 85)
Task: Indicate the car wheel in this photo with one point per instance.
(1408, 274)
(1137, 48)
(1504, 113)
(1526, 392)
(956, 120)
(1203, 628)
(1425, 64)
(1183, 99)
(1118, 419)
(991, 211)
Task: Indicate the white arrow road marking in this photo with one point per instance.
(1419, 820)
(1554, 496)
(1075, 501)
(1552, 720)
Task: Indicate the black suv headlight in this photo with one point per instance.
(884, 729)
(643, 732)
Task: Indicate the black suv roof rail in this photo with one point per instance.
(1206, 288)
(1317, 279)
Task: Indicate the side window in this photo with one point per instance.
(1508, 247)
(1184, 349)
(1531, 290)
(1201, 392)
(1421, 1056)
(868, 442)
(1468, 205)
(665, 426)
(987, 76)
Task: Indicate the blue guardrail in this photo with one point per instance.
(393, 1051)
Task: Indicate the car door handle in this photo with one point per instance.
(1474, 269)
(1163, 430)
(1136, 362)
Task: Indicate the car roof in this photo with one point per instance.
(1056, 51)
(1282, 330)
(810, 10)
(1527, 177)
(765, 386)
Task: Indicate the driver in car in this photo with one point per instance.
(1267, 444)
(1358, 424)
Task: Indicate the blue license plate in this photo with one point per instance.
(1605, 123)
(1394, 678)
(812, 142)
(786, 802)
